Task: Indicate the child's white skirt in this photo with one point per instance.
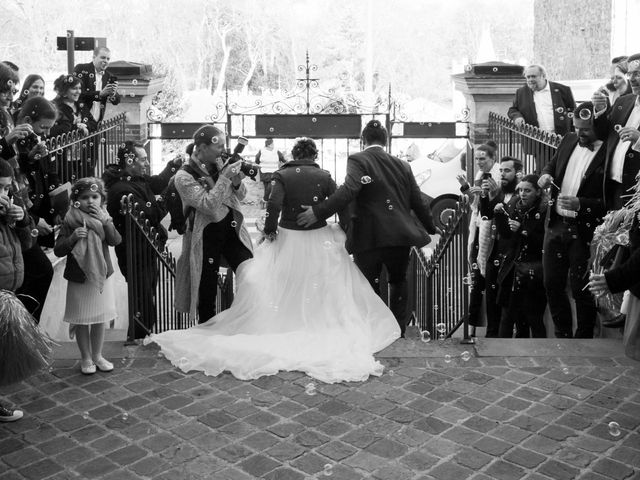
(86, 305)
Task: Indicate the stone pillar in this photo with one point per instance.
(487, 87)
(137, 86)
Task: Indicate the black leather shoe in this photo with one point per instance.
(617, 322)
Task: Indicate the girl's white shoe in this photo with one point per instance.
(103, 365)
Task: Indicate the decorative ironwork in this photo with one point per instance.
(80, 156)
(535, 147)
(438, 293)
(308, 98)
(151, 278)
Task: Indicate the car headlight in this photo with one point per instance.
(423, 177)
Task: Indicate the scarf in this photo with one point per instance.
(88, 251)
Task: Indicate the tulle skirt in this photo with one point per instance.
(301, 304)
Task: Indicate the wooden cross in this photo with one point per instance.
(71, 43)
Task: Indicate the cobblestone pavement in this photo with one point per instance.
(427, 417)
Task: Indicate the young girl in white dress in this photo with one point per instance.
(85, 237)
(301, 303)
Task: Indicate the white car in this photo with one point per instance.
(436, 177)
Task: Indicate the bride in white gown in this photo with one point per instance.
(301, 303)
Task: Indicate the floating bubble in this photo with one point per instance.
(441, 327)
(310, 389)
(365, 179)
(327, 245)
(85, 415)
(496, 262)
(447, 358)
(617, 127)
(465, 356)
(76, 204)
(559, 255)
(94, 187)
(425, 336)
(125, 417)
(34, 232)
(234, 224)
(485, 218)
(391, 373)
(474, 266)
(328, 470)
(614, 429)
(390, 207)
(148, 204)
(585, 114)
(103, 140)
(315, 199)
(134, 82)
(210, 261)
(297, 170)
(565, 370)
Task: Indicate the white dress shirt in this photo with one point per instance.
(617, 161)
(544, 108)
(95, 107)
(577, 165)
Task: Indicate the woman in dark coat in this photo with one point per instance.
(521, 291)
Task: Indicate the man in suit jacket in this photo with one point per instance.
(98, 85)
(383, 229)
(575, 175)
(542, 103)
(620, 123)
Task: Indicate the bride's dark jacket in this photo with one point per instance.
(296, 183)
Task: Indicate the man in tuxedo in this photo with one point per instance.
(575, 175)
(542, 103)
(382, 229)
(98, 85)
(620, 124)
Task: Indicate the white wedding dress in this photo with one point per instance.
(301, 304)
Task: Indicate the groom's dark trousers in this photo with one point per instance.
(388, 218)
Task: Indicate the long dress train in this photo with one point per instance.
(301, 304)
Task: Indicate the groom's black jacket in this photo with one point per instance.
(384, 193)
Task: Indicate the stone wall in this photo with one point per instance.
(572, 39)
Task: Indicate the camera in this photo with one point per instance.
(248, 168)
(112, 79)
(486, 176)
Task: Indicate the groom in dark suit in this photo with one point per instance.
(98, 85)
(382, 229)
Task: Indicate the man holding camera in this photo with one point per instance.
(98, 85)
(216, 227)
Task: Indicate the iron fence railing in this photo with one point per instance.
(79, 156)
(151, 279)
(439, 295)
(533, 146)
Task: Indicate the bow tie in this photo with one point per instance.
(589, 147)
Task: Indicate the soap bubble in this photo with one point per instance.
(447, 359)
(425, 336)
(465, 356)
(310, 388)
(365, 179)
(328, 470)
(148, 204)
(614, 429)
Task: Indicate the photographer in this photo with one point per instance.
(480, 231)
(35, 177)
(217, 227)
(99, 86)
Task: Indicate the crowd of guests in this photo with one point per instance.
(531, 235)
(28, 176)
